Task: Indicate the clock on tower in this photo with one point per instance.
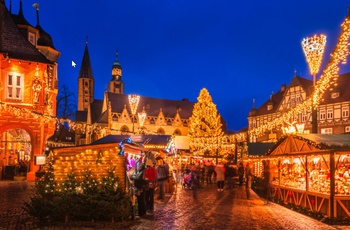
(115, 71)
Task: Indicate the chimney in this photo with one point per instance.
(283, 87)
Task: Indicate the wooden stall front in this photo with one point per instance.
(97, 159)
(312, 171)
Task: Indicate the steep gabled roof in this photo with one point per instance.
(308, 143)
(95, 110)
(275, 99)
(343, 88)
(86, 68)
(152, 106)
(45, 39)
(13, 43)
(302, 82)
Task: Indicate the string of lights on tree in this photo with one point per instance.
(326, 81)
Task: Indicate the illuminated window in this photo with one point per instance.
(329, 113)
(322, 115)
(345, 111)
(254, 124)
(292, 99)
(327, 131)
(15, 86)
(297, 98)
(31, 38)
(347, 129)
(304, 117)
(334, 95)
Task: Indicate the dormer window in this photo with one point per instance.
(32, 38)
(269, 106)
(334, 95)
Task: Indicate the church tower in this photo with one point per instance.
(116, 85)
(85, 82)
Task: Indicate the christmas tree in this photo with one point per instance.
(205, 125)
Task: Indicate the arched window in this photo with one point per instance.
(124, 129)
(177, 132)
(160, 131)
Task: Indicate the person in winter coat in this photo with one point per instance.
(249, 178)
(141, 186)
(220, 176)
(163, 173)
(240, 173)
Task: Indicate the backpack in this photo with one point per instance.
(162, 172)
(150, 174)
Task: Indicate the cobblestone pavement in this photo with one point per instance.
(210, 209)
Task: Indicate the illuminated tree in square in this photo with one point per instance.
(205, 127)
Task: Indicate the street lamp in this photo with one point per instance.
(133, 102)
(142, 117)
(313, 48)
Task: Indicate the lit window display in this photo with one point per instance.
(342, 178)
(274, 172)
(319, 173)
(293, 172)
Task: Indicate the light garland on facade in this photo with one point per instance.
(328, 78)
(134, 102)
(24, 113)
(142, 117)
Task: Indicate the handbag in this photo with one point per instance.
(152, 184)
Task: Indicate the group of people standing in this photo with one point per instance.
(230, 173)
(151, 173)
(208, 173)
(145, 183)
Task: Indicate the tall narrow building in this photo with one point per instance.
(85, 82)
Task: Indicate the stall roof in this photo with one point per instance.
(140, 139)
(259, 148)
(295, 144)
(329, 139)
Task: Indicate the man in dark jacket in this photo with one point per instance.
(240, 173)
(141, 187)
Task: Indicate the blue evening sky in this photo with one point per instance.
(238, 50)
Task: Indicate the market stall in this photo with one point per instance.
(312, 171)
(95, 159)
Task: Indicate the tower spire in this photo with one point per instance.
(20, 8)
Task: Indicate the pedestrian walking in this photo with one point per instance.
(141, 186)
(230, 172)
(240, 173)
(220, 176)
(150, 196)
(248, 177)
(162, 177)
(267, 179)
